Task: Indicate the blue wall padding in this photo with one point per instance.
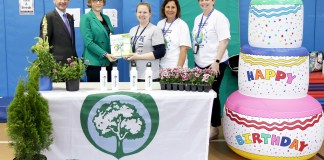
(4, 102)
(3, 59)
(244, 14)
(309, 24)
(118, 5)
(319, 31)
(155, 5)
(79, 41)
(3, 114)
(20, 33)
(129, 12)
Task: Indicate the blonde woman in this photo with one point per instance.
(147, 42)
(95, 29)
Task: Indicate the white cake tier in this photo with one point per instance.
(276, 26)
(264, 74)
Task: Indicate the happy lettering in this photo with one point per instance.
(270, 74)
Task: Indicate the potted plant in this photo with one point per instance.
(195, 78)
(206, 80)
(186, 76)
(46, 63)
(165, 78)
(162, 79)
(175, 78)
(29, 124)
(72, 72)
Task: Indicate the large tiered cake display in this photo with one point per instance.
(271, 116)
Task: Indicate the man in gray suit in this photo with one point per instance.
(58, 26)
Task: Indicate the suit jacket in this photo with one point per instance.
(63, 45)
(95, 38)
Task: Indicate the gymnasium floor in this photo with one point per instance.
(218, 149)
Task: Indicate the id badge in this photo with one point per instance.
(196, 48)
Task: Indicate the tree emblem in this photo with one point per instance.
(120, 120)
(121, 123)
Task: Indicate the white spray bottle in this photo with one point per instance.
(148, 77)
(133, 76)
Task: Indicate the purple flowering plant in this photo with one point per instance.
(74, 69)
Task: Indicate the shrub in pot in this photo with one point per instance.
(29, 124)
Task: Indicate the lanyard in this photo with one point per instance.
(165, 31)
(202, 25)
(136, 37)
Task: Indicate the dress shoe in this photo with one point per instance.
(213, 133)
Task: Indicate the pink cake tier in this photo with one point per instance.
(279, 73)
(259, 128)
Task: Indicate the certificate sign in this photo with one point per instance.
(121, 45)
(26, 7)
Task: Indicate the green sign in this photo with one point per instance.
(120, 123)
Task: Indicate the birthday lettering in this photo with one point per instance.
(263, 138)
(270, 74)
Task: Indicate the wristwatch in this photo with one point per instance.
(217, 61)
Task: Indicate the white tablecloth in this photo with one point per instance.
(182, 134)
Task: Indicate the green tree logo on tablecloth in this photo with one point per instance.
(119, 124)
(119, 120)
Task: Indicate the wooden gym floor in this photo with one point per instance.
(218, 149)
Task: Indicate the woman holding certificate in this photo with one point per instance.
(95, 29)
(147, 43)
(176, 34)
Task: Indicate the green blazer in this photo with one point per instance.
(95, 39)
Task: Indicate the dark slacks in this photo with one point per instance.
(216, 116)
(93, 73)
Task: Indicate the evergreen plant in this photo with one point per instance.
(29, 122)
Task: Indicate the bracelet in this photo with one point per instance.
(105, 54)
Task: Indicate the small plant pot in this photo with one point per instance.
(181, 87)
(187, 87)
(72, 84)
(169, 86)
(200, 88)
(175, 86)
(163, 86)
(207, 88)
(193, 87)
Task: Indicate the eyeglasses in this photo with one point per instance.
(97, 1)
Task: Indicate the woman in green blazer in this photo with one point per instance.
(95, 29)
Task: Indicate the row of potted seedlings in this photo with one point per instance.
(187, 79)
